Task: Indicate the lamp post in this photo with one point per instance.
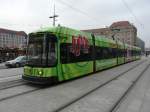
(54, 17)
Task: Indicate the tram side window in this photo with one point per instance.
(125, 53)
(99, 54)
(136, 53)
(132, 52)
(105, 53)
(118, 52)
(70, 56)
(63, 53)
(121, 52)
(111, 52)
(114, 52)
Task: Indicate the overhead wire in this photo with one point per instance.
(135, 17)
(77, 10)
(26, 25)
(132, 13)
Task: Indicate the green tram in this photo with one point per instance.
(57, 54)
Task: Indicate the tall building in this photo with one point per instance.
(12, 39)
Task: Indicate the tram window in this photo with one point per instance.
(114, 52)
(131, 52)
(63, 53)
(110, 51)
(124, 52)
(69, 56)
(105, 53)
(120, 52)
(98, 53)
(52, 57)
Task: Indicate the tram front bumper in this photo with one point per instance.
(40, 80)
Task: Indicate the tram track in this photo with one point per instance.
(19, 94)
(96, 88)
(19, 83)
(1, 68)
(122, 98)
(15, 84)
(3, 77)
(12, 83)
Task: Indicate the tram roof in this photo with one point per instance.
(69, 31)
(64, 31)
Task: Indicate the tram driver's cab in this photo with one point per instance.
(42, 50)
(42, 58)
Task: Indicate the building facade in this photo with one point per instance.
(12, 44)
(100, 31)
(126, 32)
(122, 30)
(12, 39)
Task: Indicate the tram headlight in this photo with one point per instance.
(40, 72)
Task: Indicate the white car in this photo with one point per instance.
(17, 62)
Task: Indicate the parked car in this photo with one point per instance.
(17, 62)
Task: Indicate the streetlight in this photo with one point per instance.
(54, 18)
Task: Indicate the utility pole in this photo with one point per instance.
(54, 17)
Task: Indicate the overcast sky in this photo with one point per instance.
(29, 15)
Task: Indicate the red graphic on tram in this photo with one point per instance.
(79, 43)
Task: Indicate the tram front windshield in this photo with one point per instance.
(41, 51)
